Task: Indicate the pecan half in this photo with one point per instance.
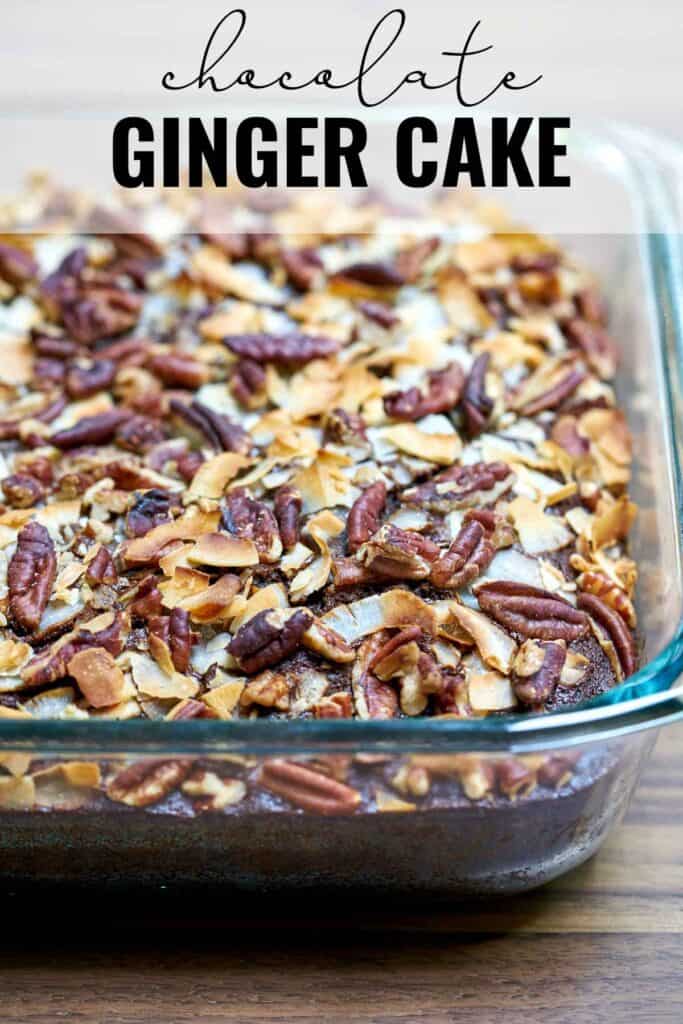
(147, 782)
(22, 490)
(467, 557)
(91, 430)
(377, 275)
(537, 670)
(220, 431)
(17, 266)
(616, 629)
(139, 434)
(396, 554)
(81, 382)
(444, 388)
(310, 790)
(596, 344)
(556, 394)
(339, 705)
(531, 611)
(476, 405)
(253, 520)
(610, 593)
(268, 638)
(293, 349)
(100, 311)
(9, 429)
(287, 511)
(364, 515)
(481, 483)
(30, 576)
(248, 383)
(178, 370)
(379, 313)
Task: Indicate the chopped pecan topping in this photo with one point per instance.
(292, 349)
(248, 383)
(22, 490)
(30, 576)
(379, 313)
(462, 487)
(444, 388)
(537, 670)
(410, 261)
(342, 427)
(268, 638)
(531, 611)
(268, 690)
(51, 664)
(174, 630)
(287, 512)
(365, 513)
(596, 344)
(253, 520)
(303, 267)
(91, 430)
(514, 777)
(220, 431)
(101, 569)
(615, 627)
(81, 382)
(9, 429)
(337, 706)
(147, 782)
(396, 554)
(476, 404)
(178, 370)
(90, 307)
(565, 433)
(405, 636)
(310, 790)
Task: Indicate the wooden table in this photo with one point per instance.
(602, 945)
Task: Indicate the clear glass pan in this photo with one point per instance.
(481, 846)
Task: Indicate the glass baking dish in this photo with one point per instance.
(586, 761)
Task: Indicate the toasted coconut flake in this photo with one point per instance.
(190, 526)
(440, 448)
(510, 564)
(17, 794)
(380, 611)
(462, 305)
(215, 474)
(574, 669)
(537, 531)
(223, 551)
(213, 604)
(490, 691)
(495, 647)
(224, 699)
(387, 803)
(153, 682)
(614, 523)
(322, 528)
(184, 584)
(323, 484)
(99, 678)
(212, 268)
(14, 654)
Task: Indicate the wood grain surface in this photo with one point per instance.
(602, 945)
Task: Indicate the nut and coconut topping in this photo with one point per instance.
(332, 471)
